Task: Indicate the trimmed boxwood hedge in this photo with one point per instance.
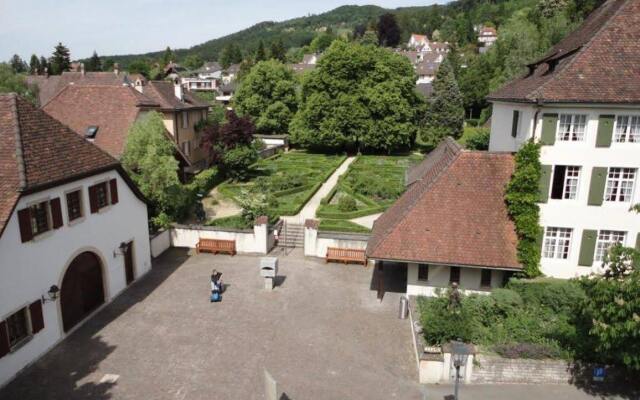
(341, 225)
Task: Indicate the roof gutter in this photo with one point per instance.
(447, 264)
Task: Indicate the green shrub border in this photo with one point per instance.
(350, 214)
(294, 211)
(334, 228)
(521, 197)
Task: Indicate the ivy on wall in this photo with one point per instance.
(522, 204)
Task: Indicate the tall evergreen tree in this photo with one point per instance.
(168, 56)
(94, 63)
(261, 54)
(445, 112)
(44, 64)
(278, 52)
(34, 65)
(388, 30)
(17, 64)
(60, 60)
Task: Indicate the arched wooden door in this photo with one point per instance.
(82, 289)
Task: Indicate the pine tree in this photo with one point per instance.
(226, 56)
(278, 52)
(388, 30)
(34, 65)
(44, 64)
(168, 56)
(94, 63)
(60, 60)
(261, 54)
(445, 113)
(17, 64)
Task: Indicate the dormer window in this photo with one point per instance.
(91, 132)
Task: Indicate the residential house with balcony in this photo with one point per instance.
(581, 102)
(487, 36)
(73, 232)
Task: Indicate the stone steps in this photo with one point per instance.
(291, 235)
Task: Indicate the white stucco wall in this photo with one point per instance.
(160, 242)
(576, 213)
(439, 279)
(27, 270)
(256, 241)
(316, 244)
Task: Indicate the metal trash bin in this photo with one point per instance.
(403, 311)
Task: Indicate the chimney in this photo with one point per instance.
(177, 89)
(115, 68)
(82, 68)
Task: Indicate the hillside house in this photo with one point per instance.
(73, 232)
(581, 102)
(487, 36)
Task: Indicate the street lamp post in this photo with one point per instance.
(459, 355)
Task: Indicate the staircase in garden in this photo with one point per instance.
(291, 235)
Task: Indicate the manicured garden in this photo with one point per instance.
(286, 181)
(370, 186)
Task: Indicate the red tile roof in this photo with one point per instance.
(163, 93)
(37, 152)
(599, 62)
(113, 109)
(51, 85)
(453, 214)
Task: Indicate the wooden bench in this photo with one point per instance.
(216, 246)
(346, 255)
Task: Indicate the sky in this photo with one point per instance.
(139, 26)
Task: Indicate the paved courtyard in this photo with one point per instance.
(322, 334)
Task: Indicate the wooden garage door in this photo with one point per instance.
(82, 289)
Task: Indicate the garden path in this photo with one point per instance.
(366, 221)
(309, 209)
(223, 208)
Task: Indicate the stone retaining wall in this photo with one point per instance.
(490, 369)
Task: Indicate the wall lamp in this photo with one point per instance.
(122, 248)
(53, 293)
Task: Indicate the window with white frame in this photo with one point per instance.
(565, 182)
(606, 239)
(627, 129)
(620, 183)
(572, 127)
(557, 242)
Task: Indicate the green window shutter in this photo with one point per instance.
(545, 180)
(514, 123)
(587, 247)
(549, 126)
(596, 190)
(605, 131)
(638, 241)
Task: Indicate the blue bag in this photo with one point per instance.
(215, 296)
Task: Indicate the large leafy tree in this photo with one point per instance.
(231, 54)
(321, 42)
(612, 308)
(193, 62)
(60, 60)
(268, 95)
(445, 112)
(229, 146)
(278, 51)
(94, 63)
(261, 53)
(10, 82)
(358, 96)
(388, 30)
(34, 65)
(149, 159)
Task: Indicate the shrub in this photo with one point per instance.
(526, 350)
(441, 325)
(347, 203)
(478, 140)
(559, 295)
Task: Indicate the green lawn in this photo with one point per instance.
(372, 182)
(341, 225)
(290, 179)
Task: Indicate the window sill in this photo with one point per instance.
(20, 344)
(42, 236)
(76, 221)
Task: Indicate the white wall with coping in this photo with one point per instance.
(27, 270)
(160, 242)
(316, 243)
(258, 240)
(439, 279)
(576, 213)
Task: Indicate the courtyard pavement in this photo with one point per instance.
(322, 334)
